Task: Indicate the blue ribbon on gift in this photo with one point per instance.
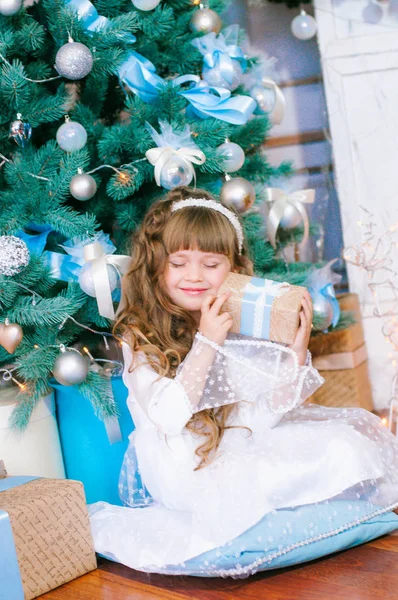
(35, 243)
(10, 578)
(256, 290)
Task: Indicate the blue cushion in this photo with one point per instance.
(306, 522)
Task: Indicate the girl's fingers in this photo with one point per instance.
(206, 303)
(218, 302)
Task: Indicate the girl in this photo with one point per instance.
(222, 442)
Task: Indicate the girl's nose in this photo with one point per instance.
(194, 274)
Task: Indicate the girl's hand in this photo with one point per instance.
(213, 325)
(300, 344)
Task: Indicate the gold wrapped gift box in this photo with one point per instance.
(262, 308)
(51, 532)
(341, 358)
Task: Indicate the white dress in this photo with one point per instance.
(291, 455)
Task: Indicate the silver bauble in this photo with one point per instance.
(205, 20)
(175, 172)
(145, 4)
(10, 7)
(239, 192)
(71, 136)
(21, 132)
(86, 281)
(14, 255)
(214, 76)
(323, 312)
(83, 187)
(70, 368)
(291, 217)
(74, 60)
(233, 156)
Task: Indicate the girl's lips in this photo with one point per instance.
(193, 291)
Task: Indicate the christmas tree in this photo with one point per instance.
(103, 108)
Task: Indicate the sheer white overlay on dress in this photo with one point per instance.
(279, 454)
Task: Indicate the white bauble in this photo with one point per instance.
(175, 172)
(71, 136)
(265, 97)
(74, 61)
(205, 20)
(146, 4)
(291, 217)
(10, 7)
(214, 77)
(304, 26)
(70, 367)
(233, 156)
(239, 192)
(83, 187)
(86, 281)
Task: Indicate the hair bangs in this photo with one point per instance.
(199, 228)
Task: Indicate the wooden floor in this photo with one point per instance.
(369, 572)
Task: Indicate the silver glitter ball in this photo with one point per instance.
(205, 20)
(239, 192)
(74, 61)
(83, 187)
(70, 367)
(14, 255)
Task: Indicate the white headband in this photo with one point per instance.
(215, 206)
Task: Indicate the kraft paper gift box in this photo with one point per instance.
(45, 536)
(341, 358)
(93, 450)
(262, 308)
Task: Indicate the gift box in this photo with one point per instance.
(37, 450)
(45, 536)
(262, 308)
(93, 450)
(341, 358)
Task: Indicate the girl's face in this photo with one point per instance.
(192, 275)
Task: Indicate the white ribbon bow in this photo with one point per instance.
(95, 255)
(160, 155)
(280, 200)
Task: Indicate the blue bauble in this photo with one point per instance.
(71, 136)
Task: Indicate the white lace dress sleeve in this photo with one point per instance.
(246, 370)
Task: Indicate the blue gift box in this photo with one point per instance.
(90, 454)
(10, 578)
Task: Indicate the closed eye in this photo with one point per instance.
(212, 266)
(176, 265)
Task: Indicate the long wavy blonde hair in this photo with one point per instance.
(149, 321)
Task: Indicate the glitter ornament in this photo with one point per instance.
(71, 136)
(74, 60)
(205, 20)
(21, 131)
(232, 155)
(11, 335)
(70, 367)
(175, 172)
(82, 186)
(10, 7)
(239, 192)
(86, 281)
(304, 26)
(146, 4)
(14, 255)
